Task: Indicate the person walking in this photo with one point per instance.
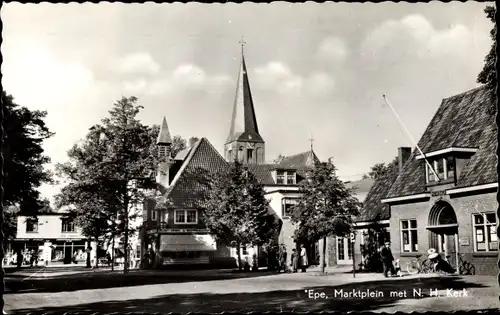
(20, 258)
(283, 258)
(387, 259)
(294, 258)
(303, 258)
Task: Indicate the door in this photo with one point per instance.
(67, 254)
(344, 251)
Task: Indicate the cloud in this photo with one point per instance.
(279, 78)
(332, 49)
(138, 63)
(414, 36)
(183, 77)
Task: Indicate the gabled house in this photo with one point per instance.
(445, 198)
(177, 235)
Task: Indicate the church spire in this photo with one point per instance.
(164, 135)
(243, 121)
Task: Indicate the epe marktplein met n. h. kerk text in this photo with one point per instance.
(374, 294)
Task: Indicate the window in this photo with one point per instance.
(280, 177)
(163, 150)
(244, 250)
(186, 216)
(32, 225)
(287, 206)
(444, 167)
(249, 154)
(485, 232)
(230, 155)
(450, 167)
(285, 178)
(68, 225)
(164, 216)
(409, 236)
(154, 215)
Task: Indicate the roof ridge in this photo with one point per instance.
(471, 91)
(186, 163)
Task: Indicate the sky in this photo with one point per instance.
(315, 69)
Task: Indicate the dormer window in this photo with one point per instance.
(444, 167)
(280, 177)
(286, 177)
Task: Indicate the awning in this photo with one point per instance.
(187, 242)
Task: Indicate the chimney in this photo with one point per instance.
(403, 156)
(192, 141)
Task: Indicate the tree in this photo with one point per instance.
(107, 172)
(380, 169)
(25, 131)
(278, 159)
(488, 75)
(236, 210)
(325, 207)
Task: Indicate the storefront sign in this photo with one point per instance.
(464, 241)
(437, 193)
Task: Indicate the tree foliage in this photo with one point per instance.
(107, 171)
(380, 169)
(236, 210)
(278, 159)
(326, 207)
(24, 161)
(488, 74)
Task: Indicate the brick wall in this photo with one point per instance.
(464, 207)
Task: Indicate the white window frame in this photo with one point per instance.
(293, 181)
(486, 231)
(434, 164)
(278, 176)
(185, 216)
(410, 240)
(35, 225)
(283, 202)
(67, 223)
(154, 215)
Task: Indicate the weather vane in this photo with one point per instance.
(242, 42)
(311, 140)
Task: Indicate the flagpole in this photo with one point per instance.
(422, 153)
(411, 138)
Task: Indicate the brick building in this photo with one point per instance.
(446, 198)
(177, 235)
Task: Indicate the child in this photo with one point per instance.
(397, 267)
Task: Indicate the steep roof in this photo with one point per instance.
(373, 209)
(243, 121)
(191, 181)
(362, 187)
(461, 121)
(300, 160)
(164, 134)
(263, 172)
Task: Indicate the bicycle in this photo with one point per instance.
(419, 265)
(465, 267)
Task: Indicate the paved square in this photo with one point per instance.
(224, 290)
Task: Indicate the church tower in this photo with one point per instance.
(244, 141)
(164, 143)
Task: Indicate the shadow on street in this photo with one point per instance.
(297, 300)
(18, 284)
